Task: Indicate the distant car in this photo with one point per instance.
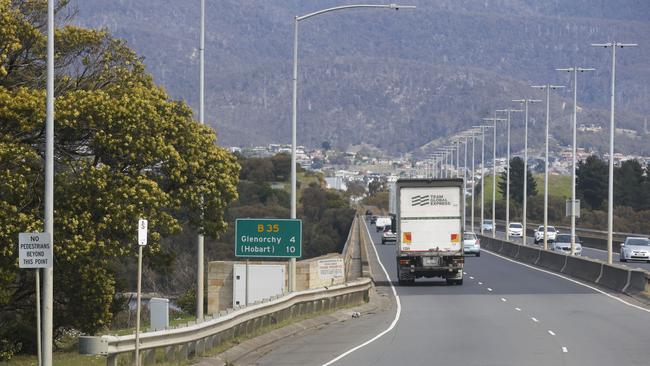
(635, 248)
(373, 219)
(388, 235)
(515, 229)
(368, 213)
(551, 234)
(562, 244)
(382, 222)
(471, 244)
(487, 225)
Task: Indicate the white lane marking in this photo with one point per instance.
(551, 332)
(489, 289)
(565, 350)
(471, 278)
(397, 312)
(572, 280)
(480, 283)
(464, 272)
(503, 299)
(518, 309)
(535, 320)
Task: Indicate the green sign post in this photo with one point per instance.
(280, 238)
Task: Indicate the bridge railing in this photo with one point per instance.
(192, 339)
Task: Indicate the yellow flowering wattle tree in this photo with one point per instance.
(123, 150)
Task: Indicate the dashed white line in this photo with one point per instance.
(565, 350)
(518, 309)
(489, 289)
(503, 299)
(471, 278)
(480, 283)
(551, 332)
(571, 280)
(535, 320)
(464, 272)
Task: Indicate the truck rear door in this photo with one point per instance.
(430, 219)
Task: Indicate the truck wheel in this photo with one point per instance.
(478, 254)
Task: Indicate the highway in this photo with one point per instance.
(504, 314)
(586, 251)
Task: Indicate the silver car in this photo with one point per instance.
(635, 248)
(388, 236)
(562, 244)
(471, 244)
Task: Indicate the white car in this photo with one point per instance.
(551, 234)
(471, 244)
(516, 229)
(487, 225)
(382, 222)
(562, 244)
(635, 248)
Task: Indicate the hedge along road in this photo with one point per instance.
(505, 313)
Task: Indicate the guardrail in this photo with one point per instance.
(195, 338)
(634, 282)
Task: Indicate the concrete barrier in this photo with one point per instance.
(509, 249)
(614, 277)
(639, 283)
(583, 268)
(551, 260)
(630, 281)
(528, 255)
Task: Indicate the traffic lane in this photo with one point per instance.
(464, 325)
(586, 252)
(597, 329)
(318, 346)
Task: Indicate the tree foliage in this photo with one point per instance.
(591, 181)
(123, 150)
(517, 181)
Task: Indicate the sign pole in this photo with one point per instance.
(247, 282)
(137, 311)
(142, 241)
(37, 272)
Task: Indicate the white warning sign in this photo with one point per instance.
(35, 250)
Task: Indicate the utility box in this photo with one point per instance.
(265, 280)
(159, 311)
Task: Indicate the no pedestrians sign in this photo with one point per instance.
(35, 250)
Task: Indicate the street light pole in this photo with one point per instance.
(610, 194)
(575, 71)
(494, 171)
(200, 240)
(483, 127)
(525, 102)
(296, 20)
(48, 273)
(548, 88)
(507, 198)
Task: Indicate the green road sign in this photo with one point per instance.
(268, 238)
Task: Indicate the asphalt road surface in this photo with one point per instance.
(505, 313)
(586, 252)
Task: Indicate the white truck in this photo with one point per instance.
(429, 229)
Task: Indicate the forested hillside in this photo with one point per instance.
(367, 75)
